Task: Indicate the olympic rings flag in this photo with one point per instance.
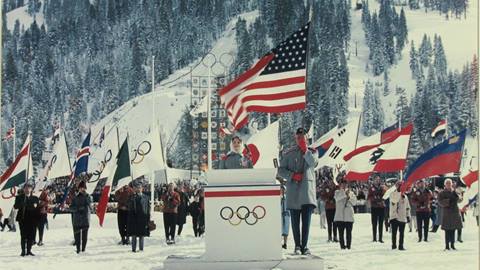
(105, 158)
(146, 155)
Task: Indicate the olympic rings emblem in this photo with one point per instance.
(96, 174)
(13, 193)
(142, 150)
(243, 213)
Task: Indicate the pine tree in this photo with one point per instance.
(244, 45)
(414, 65)
(402, 110)
(386, 83)
(440, 60)
(425, 51)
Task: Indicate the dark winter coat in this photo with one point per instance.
(28, 208)
(327, 194)
(422, 200)
(375, 196)
(195, 209)
(81, 207)
(182, 209)
(138, 215)
(171, 202)
(234, 160)
(448, 201)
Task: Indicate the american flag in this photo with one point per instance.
(275, 84)
(9, 134)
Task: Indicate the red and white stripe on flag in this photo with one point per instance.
(441, 127)
(275, 84)
(387, 156)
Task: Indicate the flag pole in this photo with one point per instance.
(29, 155)
(399, 129)
(152, 176)
(446, 127)
(307, 58)
(14, 138)
(128, 152)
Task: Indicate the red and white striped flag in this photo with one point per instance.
(440, 128)
(275, 84)
(387, 156)
(9, 134)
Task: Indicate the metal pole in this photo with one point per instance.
(14, 139)
(152, 180)
(399, 129)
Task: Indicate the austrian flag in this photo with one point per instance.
(275, 84)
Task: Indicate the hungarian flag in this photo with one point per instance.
(263, 146)
(121, 176)
(387, 156)
(337, 142)
(20, 169)
(15, 175)
(441, 128)
(443, 158)
(275, 84)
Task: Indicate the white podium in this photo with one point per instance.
(243, 225)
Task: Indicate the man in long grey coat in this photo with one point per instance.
(297, 167)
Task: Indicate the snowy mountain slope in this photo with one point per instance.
(458, 37)
(171, 97)
(24, 18)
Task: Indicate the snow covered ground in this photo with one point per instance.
(24, 18)
(103, 252)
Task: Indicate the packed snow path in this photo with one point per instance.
(103, 252)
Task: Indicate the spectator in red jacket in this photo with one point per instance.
(171, 200)
(45, 200)
(375, 197)
(327, 193)
(422, 198)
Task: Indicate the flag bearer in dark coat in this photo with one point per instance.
(81, 207)
(27, 217)
(375, 196)
(422, 198)
(197, 213)
(122, 196)
(138, 216)
(182, 209)
(448, 200)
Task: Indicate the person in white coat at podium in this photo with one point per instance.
(234, 159)
(297, 167)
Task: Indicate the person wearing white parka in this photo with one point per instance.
(399, 215)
